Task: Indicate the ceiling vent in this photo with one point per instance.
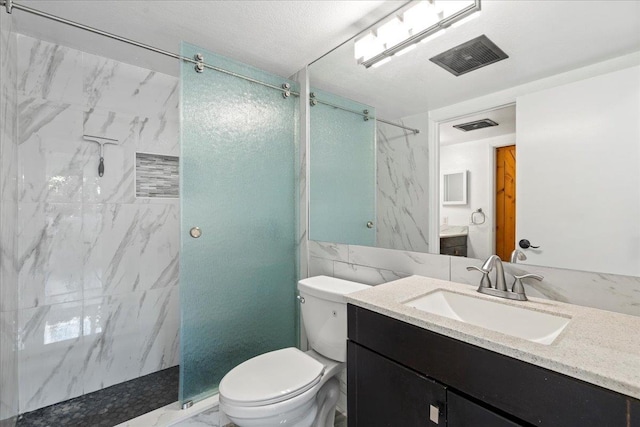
(469, 56)
(478, 124)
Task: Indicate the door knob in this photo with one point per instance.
(369, 224)
(195, 232)
(525, 244)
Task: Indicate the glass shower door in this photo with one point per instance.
(343, 171)
(238, 268)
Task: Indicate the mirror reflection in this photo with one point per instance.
(548, 134)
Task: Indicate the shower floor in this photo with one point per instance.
(109, 406)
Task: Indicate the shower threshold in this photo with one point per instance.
(110, 406)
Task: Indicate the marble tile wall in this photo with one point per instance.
(402, 193)
(375, 266)
(8, 221)
(97, 267)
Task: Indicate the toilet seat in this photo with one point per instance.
(270, 378)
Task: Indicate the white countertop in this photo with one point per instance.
(597, 346)
(453, 231)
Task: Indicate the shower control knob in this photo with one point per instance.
(369, 224)
(195, 232)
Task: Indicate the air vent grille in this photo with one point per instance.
(469, 56)
(478, 124)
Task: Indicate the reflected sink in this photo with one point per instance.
(519, 322)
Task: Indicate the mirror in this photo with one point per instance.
(572, 80)
(454, 188)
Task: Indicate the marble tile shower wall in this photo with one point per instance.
(8, 221)
(402, 194)
(98, 268)
(375, 266)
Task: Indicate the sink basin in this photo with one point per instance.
(519, 322)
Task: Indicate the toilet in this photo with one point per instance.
(289, 387)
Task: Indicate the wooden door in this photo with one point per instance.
(505, 201)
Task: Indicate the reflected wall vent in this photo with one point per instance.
(478, 124)
(469, 56)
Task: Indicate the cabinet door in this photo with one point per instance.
(383, 393)
(462, 412)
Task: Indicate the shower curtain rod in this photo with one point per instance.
(363, 114)
(10, 5)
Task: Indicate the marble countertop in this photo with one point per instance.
(597, 346)
(453, 231)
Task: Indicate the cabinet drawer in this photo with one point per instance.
(448, 242)
(462, 412)
(385, 393)
(454, 251)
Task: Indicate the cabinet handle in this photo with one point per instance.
(434, 414)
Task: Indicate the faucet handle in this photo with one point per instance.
(518, 287)
(485, 282)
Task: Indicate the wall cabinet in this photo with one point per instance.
(403, 375)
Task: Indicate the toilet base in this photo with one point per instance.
(317, 412)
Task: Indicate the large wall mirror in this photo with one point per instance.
(538, 101)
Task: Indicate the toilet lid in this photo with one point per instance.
(270, 378)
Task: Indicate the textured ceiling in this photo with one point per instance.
(278, 36)
(542, 38)
(505, 117)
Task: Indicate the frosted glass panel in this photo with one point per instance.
(343, 175)
(237, 281)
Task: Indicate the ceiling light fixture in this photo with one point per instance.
(403, 30)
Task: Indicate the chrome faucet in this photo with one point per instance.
(517, 255)
(517, 289)
(489, 264)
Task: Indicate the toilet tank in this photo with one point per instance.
(324, 313)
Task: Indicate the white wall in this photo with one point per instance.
(578, 180)
(477, 158)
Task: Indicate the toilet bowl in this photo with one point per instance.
(289, 387)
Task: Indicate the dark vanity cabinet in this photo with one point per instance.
(455, 246)
(403, 375)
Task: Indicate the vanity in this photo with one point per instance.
(453, 240)
(555, 364)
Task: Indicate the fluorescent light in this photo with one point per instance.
(392, 32)
(383, 61)
(422, 20)
(451, 7)
(427, 39)
(367, 47)
(420, 17)
(406, 49)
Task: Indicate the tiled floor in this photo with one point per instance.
(211, 418)
(124, 403)
(110, 406)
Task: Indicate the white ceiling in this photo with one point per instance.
(277, 36)
(542, 38)
(505, 117)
